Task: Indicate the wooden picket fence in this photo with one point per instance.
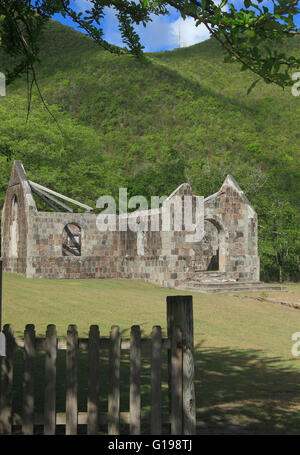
(179, 345)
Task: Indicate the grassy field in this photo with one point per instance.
(246, 378)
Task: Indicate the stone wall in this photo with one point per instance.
(162, 257)
(237, 224)
(14, 226)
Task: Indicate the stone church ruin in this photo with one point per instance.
(64, 244)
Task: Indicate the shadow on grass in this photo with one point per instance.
(237, 391)
(241, 391)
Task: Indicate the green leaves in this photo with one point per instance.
(238, 30)
(252, 86)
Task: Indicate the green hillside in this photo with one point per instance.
(185, 115)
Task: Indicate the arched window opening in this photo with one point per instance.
(210, 247)
(210, 252)
(71, 242)
(214, 261)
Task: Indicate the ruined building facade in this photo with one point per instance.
(40, 244)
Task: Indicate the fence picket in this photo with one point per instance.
(93, 380)
(135, 387)
(176, 382)
(6, 386)
(114, 382)
(50, 381)
(156, 363)
(179, 345)
(188, 405)
(28, 379)
(180, 314)
(71, 380)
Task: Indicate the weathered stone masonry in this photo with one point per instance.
(34, 243)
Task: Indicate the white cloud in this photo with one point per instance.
(83, 5)
(159, 34)
(189, 33)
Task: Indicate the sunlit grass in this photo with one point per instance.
(245, 377)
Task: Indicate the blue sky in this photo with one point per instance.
(159, 35)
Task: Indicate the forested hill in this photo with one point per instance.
(183, 116)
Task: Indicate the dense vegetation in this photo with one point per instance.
(183, 115)
(251, 33)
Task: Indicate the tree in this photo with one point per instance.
(279, 240)
(251, 35)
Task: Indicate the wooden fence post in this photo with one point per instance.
(6, 386)
(176, 382)
(156, 362)
(50, 381)
(28, 380)
(72, 380)
(114, 381)
(93, 380)
(1, 266)
(180, 315)
(135, 381)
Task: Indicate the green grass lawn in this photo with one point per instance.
(246, 378)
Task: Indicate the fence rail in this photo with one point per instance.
(178, 344)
